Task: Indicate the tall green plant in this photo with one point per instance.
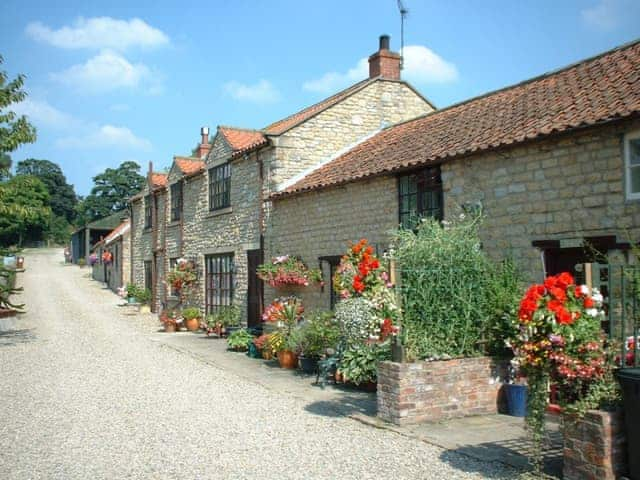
(455, 300)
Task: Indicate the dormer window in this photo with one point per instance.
(220, 186)
(632, 165)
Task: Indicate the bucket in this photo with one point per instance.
(516, 399)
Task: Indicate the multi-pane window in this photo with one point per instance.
(148, 275)
(219, 281)
(632, 165)
(420, 196)
(176, 201)
(148, 218)
(220, 186)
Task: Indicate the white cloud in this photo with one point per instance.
(421, 66)
(109, 71)
(106, 136)
(99, 33)
(261, 92)
(603, 16)
(43, 114)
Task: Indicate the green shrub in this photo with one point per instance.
(239, 340)
(456, 301)
(319, 332)
(190, 313)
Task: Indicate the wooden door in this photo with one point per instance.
(255, 289)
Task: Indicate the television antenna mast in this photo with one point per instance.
(403, 15)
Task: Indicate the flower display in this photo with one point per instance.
(93, 259)
(107, 257)
(559, 333)
(368, 309)
(284, 311)
(183, 275)
(288, 270)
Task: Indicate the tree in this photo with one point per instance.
(63, 198)
(24, 210)
(111, 192)
(5, 166)
(14, 130)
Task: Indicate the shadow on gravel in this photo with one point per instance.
(14, 337)
(344, 406)
(512, 452)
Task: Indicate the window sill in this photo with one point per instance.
(174, 223)
(220, 211)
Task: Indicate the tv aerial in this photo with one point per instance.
(403, 14)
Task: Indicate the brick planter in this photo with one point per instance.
(595, 446)
(433, 391)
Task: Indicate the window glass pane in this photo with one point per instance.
(635, 179)
(634, 151)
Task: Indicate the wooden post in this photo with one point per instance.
(588, 275)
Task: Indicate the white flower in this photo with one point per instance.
(597, 297)
(584, 290)
(592, 312)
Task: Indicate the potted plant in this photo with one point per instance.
(260, 344)
(191, 316)
(287, 270)
(132, 291)
(285, 312)
(171, 320)
(144, 298)
(107, 257)
(317, 334)
(273, 343)
(239, 340)
(359, 363)
(93, 259)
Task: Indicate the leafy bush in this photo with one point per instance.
(190, 313)
(318, 332)
(359, 363)
(239, 340)
(456, 301)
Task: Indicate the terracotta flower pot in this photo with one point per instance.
(169, 327)
(288, 359)
(193, 324)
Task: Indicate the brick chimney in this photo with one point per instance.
(384, 63)
(204, 146)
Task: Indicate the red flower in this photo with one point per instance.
(588, 302)
(375, 264)
(563, 316)
(555, 306)
(564, 280)
(558, 293)
(358, 286)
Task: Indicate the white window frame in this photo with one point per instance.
(627, 165)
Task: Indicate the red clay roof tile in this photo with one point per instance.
(241, 140)
(159, 179)
(189, 165)
(596, 90)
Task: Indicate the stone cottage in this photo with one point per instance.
(554, 163)
(223, 194)
(117, 272)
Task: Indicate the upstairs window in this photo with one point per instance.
(148, 218)
(420, 196)
(176, 201)
(632, 165)
(220, 187)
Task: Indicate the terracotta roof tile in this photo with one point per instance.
(189, 165)
(117, 232)
(159, 179)
(242, 140)
(594, 91)
(291, 121)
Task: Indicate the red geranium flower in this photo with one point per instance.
(588, 302)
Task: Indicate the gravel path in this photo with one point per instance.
(86, 395)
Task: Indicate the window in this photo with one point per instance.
(632, 165)
(219, 281)
(420, 195)
(219, 186)
(176, 201)
(148, 219)
(148, 275)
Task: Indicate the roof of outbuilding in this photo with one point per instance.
(117, 232)
(242, 140)
(189, 165)
(597, 90)
(159, 179)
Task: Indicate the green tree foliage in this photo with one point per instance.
(63, 198)
(5, 166)
(24, 210)
(14, 130)
(111, 191)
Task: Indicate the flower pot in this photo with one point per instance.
(193, 324)
(516, 399)
(339, 377)
(288, 359)
(169, 327)
(253, 351)
(267, 354)
(309, 364)
(131, 299)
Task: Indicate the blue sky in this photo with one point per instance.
(112, 81)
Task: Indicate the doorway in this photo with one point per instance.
(255, 289)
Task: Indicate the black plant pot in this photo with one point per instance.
(309, 364)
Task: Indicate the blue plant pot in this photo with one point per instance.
(516, 399)
(253, 351)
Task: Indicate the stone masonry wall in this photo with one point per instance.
(595, 447)
(381, 103)
(410, 393)
(558, 189)
(323, 224)
(141, 241)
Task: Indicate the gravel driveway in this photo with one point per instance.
(87, 395)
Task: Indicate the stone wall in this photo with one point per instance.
(595, 447)
(323, 223)
(565, 188)
(381, 103)
(410, 393)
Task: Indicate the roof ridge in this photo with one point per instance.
(542, 76)
(242, 129)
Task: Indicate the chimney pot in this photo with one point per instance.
(384, 42)
(204, 147)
